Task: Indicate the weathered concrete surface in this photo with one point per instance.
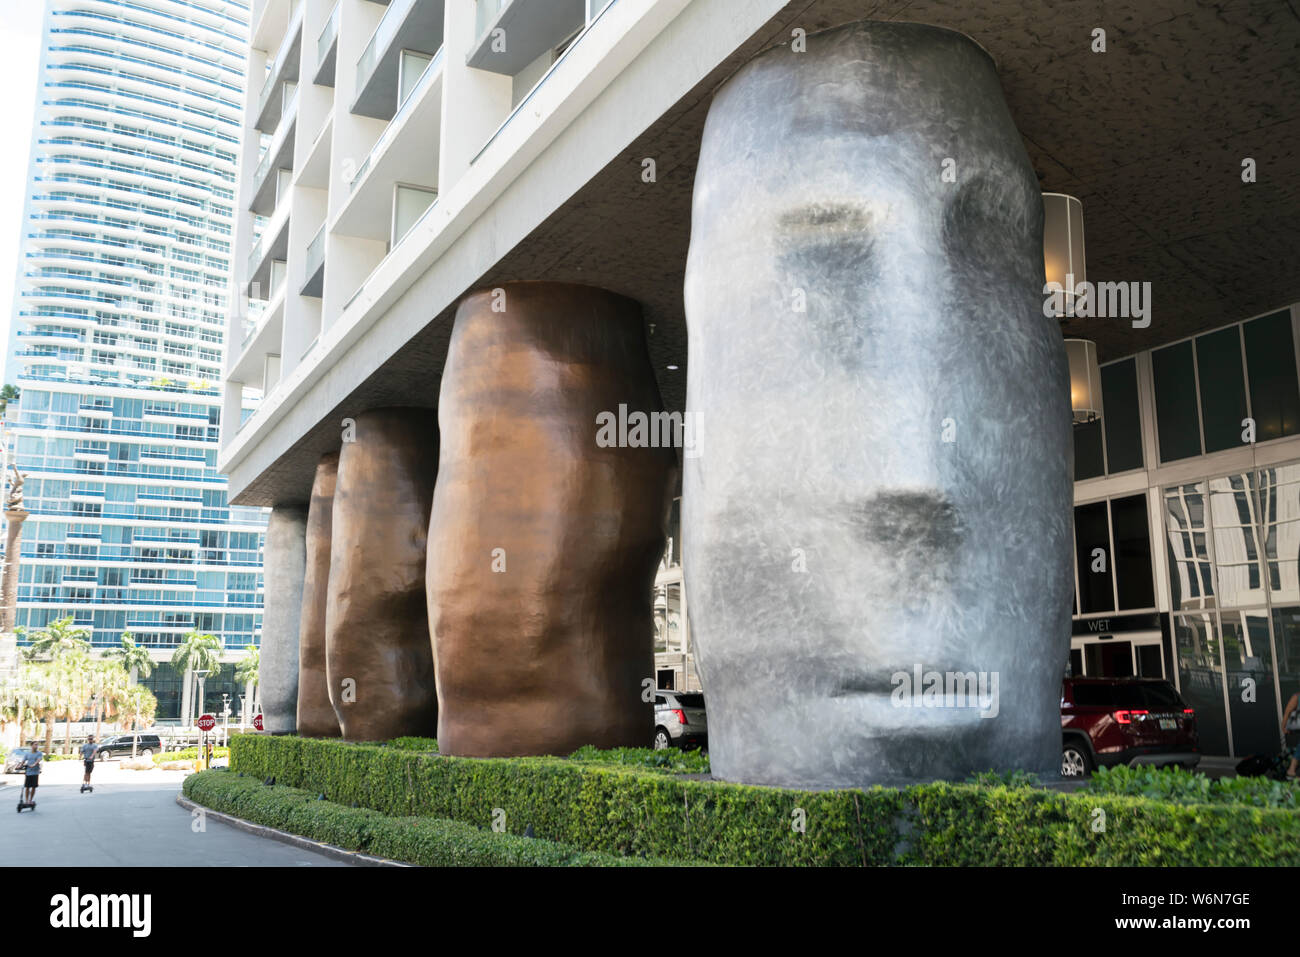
(885, 473)
(284, 563)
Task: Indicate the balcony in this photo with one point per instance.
(414, 25)
(284, 68)
(162, 538)
(406, 152)
(327, 48)
(278, 155)
(315, 265)
(147, 455)
(531, 26)
(273, 246)
(189, 584)
(262, 340)
(174, 417)
(95, 411)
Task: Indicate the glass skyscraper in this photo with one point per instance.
(119, 320)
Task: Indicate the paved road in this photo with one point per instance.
(132, 819)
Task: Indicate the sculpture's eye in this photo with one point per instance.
(985, 224)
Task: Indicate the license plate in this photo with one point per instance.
(1168, 724)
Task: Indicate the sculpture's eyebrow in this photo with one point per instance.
(841, 215)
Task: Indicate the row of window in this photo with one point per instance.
(1233, 542)
(1208, 391)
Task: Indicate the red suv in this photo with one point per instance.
(1109, 721)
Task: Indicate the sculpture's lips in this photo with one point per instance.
(879, 713)
(883, 682)
(923, 519)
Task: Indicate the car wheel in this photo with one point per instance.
(106, 755)
(1075, 762)
(661, 739)
(146, 753)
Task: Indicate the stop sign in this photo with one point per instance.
(257, 722)
(206, 722)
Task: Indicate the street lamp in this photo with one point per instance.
(225, 712)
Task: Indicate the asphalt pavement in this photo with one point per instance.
(130, 820)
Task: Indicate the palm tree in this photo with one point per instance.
(56, 639)
(133, 658)
(72, 674)
(9, 393)
(24, 697)
(138, 707)
(39, 689)
(197, 652)
(109, 682)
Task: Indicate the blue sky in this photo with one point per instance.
(20, 34)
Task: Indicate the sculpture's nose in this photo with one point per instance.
(909, 520)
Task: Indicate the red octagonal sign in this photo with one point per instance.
(257, 722)
(206, 722)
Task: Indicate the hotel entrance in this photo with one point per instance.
(1135, 654)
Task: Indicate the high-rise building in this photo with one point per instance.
(118, 333)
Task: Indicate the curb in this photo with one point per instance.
(297, 840)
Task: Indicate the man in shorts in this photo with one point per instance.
(32, 766)
(88, 752)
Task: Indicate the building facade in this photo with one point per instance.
(119, 331)
(400, 155)
(1187, 527)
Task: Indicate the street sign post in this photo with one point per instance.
(206, 723)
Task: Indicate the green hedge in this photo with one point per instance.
(1180, 786)
(629, 811)
(188, 754)
(416, 840)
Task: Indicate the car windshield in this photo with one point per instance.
(691, 700)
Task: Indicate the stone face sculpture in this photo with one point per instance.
(543, 541)
(316, 717)
(283, 564)
(882, 498)
(377, 651)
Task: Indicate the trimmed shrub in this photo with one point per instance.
(668, 760)
(418, 840)
(188, 754)
(628, 810)
(1180, 786)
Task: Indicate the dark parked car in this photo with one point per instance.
(680, 720)
(14, 760)
(1110, 721)
(119, 746)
